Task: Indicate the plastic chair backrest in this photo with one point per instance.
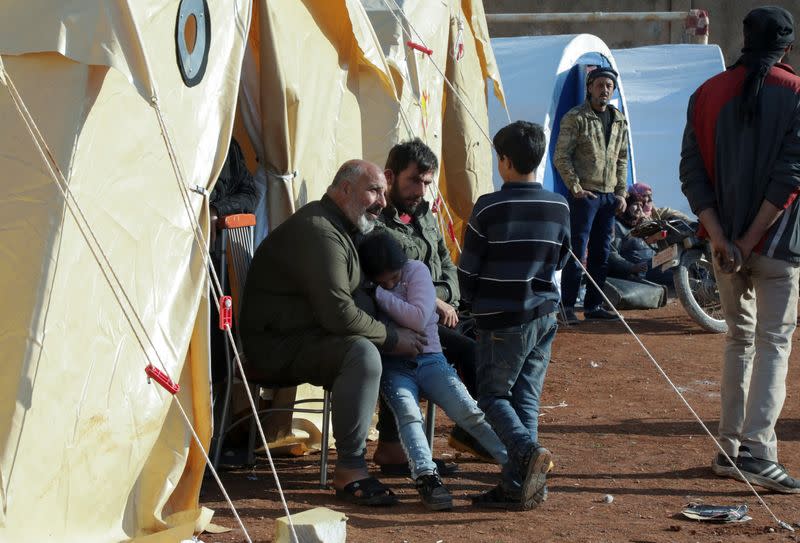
(237, 231)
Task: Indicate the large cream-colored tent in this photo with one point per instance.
(89, 451)
(114, 281)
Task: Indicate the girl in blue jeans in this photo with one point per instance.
(406, 294)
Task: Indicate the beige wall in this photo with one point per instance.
(725, 16)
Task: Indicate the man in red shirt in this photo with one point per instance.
(740, 171)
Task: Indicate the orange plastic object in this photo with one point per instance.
(236, 221)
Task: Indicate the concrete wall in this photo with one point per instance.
(725, 16)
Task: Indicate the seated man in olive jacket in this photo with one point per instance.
(300, 323)
(410, 170)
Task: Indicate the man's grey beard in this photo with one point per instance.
(364, 224)
(358, 216)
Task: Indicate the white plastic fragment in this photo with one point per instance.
(608, 498)
(318, 525)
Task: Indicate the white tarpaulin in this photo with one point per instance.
(659, 80)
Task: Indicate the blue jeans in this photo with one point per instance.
(591, 223)
(512, 363)
(429, 375)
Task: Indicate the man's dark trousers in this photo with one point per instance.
(592, 225)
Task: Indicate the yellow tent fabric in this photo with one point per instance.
(89, 451)
(329, 80)
(316, 75)
(454, 123)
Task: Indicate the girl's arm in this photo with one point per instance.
(415, 312)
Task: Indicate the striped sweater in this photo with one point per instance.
(515, 241)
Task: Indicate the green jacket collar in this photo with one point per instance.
(391, 213)
(586, 109)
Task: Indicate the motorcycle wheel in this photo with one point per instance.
(696, 288)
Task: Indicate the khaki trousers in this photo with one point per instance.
(760, 307)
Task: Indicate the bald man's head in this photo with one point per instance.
(359, 189)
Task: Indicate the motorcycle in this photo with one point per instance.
(679, 249)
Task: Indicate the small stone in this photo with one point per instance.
(608, 498)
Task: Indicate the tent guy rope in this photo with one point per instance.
(663, 373)
(203, 247)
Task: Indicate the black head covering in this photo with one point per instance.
(602, 71)
(768, 31)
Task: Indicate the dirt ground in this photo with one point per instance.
(615, 427)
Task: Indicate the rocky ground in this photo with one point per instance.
(616, 428)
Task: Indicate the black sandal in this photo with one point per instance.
(402, 470)
(369, 491)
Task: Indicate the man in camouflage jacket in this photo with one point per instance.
(592, 158)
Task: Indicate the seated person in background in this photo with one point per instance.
(406, 294)
(235, 190)
(631, 257)
(643, 194)
(300, 322)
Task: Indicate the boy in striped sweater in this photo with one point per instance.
(515, 241)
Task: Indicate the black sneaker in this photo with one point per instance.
(569, 316)
(767, 474)
(461, 440)
(600, 314)
(720, 466)
(434, 495)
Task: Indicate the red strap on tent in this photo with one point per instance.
(437, 204)
(162, 379)
(420, 48)
(460, 51)
(451, 230)
(225, 312)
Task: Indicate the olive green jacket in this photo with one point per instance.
(582, 157)
(301, 284)
(422, 240)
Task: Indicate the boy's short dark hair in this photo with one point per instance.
(523, 143)
(380, 252)
(410, 151)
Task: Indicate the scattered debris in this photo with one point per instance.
(716, 513)
(562, 404)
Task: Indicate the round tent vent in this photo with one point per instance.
(192, 40)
